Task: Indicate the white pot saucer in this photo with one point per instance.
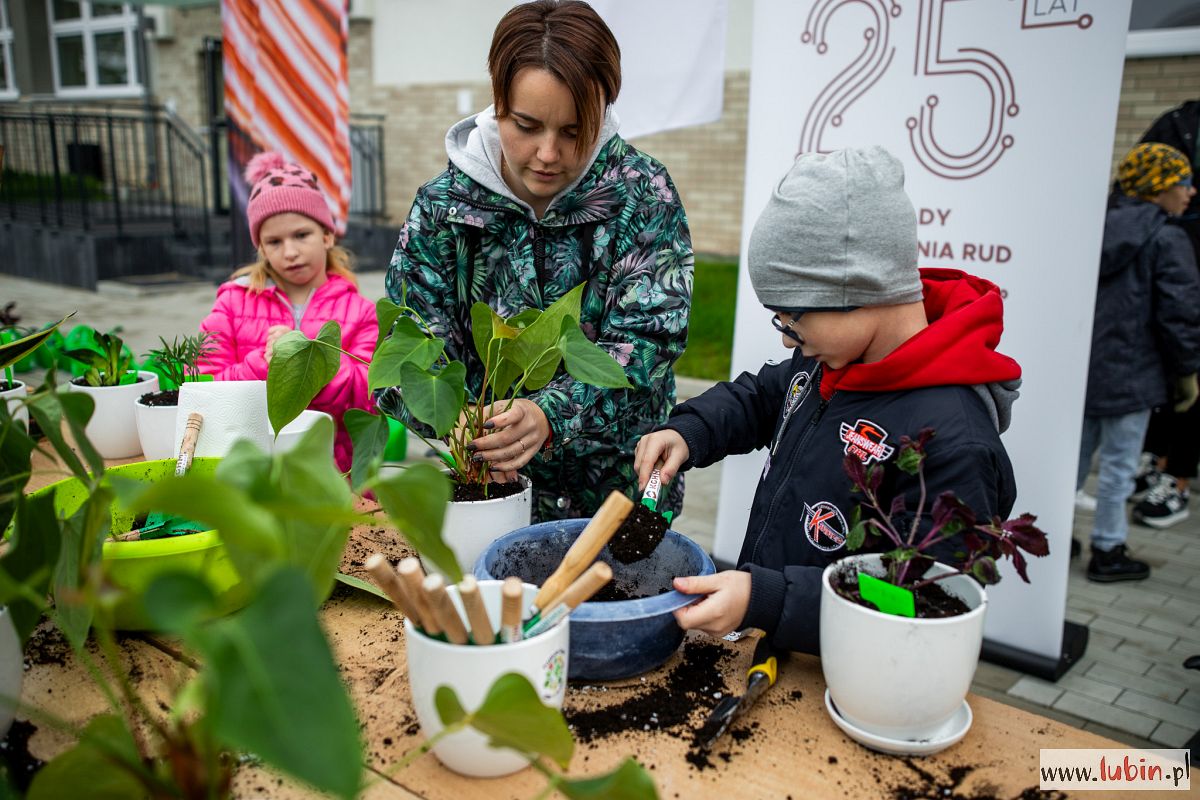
(954, 730)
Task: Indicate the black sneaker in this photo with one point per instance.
(1164, 506)
(1114, 565)
(1146, 479)
(1076, 547)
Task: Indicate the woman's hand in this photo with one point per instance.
(665, 449)
(724, 606)
(519, 434)
(273, 334)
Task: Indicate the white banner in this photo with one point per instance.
(672, 62)
(1003, 113)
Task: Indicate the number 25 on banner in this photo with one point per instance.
(931, 61)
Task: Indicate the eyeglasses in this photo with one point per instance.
(786, 330)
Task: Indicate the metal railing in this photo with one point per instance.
(112, 168)
(367, 195)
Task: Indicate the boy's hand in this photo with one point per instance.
(724, 608)
(665, 449)
(519, 434)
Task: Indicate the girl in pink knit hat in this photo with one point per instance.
(300, 281)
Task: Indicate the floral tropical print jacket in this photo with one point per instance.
(622, 231)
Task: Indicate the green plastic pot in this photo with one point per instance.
(134, 565)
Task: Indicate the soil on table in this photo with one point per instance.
(638, 535)
(470, 492)
(167, 397)
(674, 703)
(923, 784)
(931, 600)
(368, 539)
(522, 559)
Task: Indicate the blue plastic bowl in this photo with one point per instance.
(615, 639)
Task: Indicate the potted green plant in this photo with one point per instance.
(520, 354)
(266, 682)
(901, 632)
(176, 362)
(13, 391)
(113, 386)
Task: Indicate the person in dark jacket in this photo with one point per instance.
(881, 350)
(541, 195)
(1145, 339)
(1171, 454)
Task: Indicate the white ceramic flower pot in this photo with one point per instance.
(13, 397)
(294, 430)
(12, 670)
(156, 430)
(898, 677)
(113, 426)
(469, 527)
(470, 671)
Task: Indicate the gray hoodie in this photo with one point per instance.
(473, 145)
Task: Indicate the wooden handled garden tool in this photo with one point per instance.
(643, 530)
(584, 551)
(760, 677)
(578, 592)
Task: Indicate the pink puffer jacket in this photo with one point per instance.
(240, 320)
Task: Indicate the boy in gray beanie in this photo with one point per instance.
(881, 350)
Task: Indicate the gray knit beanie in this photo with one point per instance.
(838, 233)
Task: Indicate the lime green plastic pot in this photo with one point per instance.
(134, 565)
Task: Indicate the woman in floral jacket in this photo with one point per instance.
(541, 195)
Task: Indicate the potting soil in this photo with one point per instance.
(931, 600)
(168, 397)
(17, 764)
(676, 703)
(638, 535)
(471, 492)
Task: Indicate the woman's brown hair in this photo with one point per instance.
(568, 39)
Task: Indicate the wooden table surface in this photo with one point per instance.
(786, 746)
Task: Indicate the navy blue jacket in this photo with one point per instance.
(811, 420)
(1147, 325)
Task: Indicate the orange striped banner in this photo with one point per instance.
(287, 89)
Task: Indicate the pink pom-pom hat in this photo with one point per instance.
(278, 187)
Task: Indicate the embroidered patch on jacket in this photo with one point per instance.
(825, 526)
(865, 441)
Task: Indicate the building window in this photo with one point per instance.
(93, 48)
(8, 86)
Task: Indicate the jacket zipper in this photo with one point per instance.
(539, 238)
(812, 426)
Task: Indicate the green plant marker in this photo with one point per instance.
(887, 598)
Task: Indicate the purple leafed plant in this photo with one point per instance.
(982, 543)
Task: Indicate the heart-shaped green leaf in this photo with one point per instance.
(513, 716)
(176, 602)
(435, 398)
(300, 368)
(415, 500)
(104, 765)
(369, 435)
(449, 709)
(386, 313)
(588, 362)
(279, 690)
(627, 782)
(407, 344)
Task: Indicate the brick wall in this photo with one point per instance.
(1149, 87)
(706, 162)
(178, 62)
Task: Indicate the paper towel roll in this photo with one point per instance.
(232, 410)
